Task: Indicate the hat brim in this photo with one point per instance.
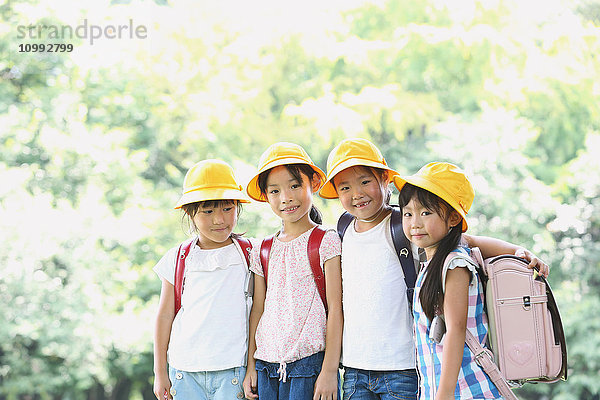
(211, 194)
(439, 191)
(328, 190)
(254, 191)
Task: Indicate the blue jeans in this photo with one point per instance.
(380, 385)
(300, 378)
(211, 385)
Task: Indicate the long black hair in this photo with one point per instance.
(295, 170)
(431, 295)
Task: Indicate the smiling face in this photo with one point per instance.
(426, 227)
(361, 192)
(289, 198)
(214, 222)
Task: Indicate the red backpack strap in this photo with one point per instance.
(265, 252)
(182, 253)
(314, 242)
(246, 247)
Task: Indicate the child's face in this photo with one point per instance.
(289, 199)
(426, 228)
(215, 224)
(361, 193)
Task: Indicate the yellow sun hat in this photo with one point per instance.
(211, 180)
(277, 154)
(445, 180)
(351, 153)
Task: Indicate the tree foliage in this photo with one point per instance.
(95, 144)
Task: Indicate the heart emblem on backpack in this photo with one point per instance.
(521, 352)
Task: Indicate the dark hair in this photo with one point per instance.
(191, 209)
(380, 175)
(431, 295)
(295, 170)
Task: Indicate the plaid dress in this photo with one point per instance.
(472, 383)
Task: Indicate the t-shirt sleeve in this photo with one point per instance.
(460, 261)
(255, 265)
(331, 246)
(165, 267)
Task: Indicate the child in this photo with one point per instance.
(294, 341)
(434, 204)
(207, 337)
(378, 352)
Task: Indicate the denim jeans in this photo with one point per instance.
(380, 385)
(300, 378)
(211, 385)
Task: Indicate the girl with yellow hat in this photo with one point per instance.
(378, 350)
(295, 324)
(448, 296)
(201, 333)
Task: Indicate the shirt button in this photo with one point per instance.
(234, 381)
(240, 395)
(173, 391)
(179, 375)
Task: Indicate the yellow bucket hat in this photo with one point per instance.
(351, 153)
(210, 180)
(277, 154)
(445, 180)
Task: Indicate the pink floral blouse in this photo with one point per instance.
(293, 322)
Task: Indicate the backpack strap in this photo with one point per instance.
(245, 246)
(484, 359)
(404, 253)
(401, 245)
(314, 242)
(182, 253)
(265, 253)
(343, 223)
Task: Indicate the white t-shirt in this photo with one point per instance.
(378, 323)
(210, 331)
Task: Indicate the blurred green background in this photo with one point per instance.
(95, 144)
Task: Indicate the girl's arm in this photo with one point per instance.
(258, 306)
(327, 382)
(162, 335)
(491, 247)
(456, 302)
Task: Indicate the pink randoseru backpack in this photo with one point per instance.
(525, 329)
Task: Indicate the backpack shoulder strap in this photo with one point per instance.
(557, 326)
(182, 253)
(484, 358)
(404, 253)
(246, 247)
(343, 223)
(265, 252)
(314, 242)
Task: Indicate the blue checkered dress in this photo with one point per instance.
(472, 383)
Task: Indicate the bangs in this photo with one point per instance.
(191, 209)
(427, 199)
